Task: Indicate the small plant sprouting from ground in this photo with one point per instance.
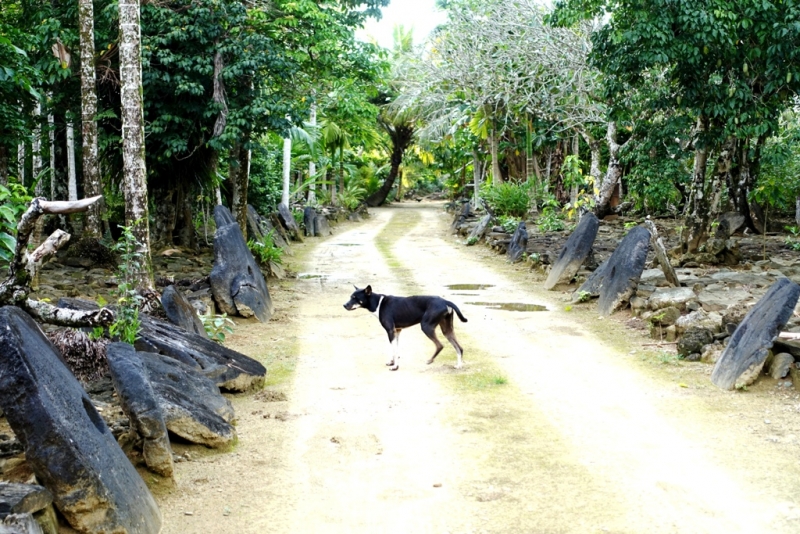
(266, 252)
(217, 326)
(793, 241)
(127, 324)
(472, 240)
(509, 224)
(584, 296)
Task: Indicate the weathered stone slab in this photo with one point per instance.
(322, 227)
(616, 279)
(749, 344)
(192, 405)
(309, 220)
(23, 499)
(729, 223)
(180, 312)
(132, 383)
(574, 253)
(228, 369)
(719, 300)
(518, 244)
(781, 365)
(480, 229)
(67, 443)
(462, 216)
(236, 279)
(674, 296)
(288, 222)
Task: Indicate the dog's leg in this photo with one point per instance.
(394, 365)
(449, 333)
(430, 330)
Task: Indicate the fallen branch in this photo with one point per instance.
(14, 291)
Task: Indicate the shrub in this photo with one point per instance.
(509, 199)
(266, 252)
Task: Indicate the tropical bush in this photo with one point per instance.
(14, 201)
(509, 199)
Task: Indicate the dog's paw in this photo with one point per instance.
(394, 367)
(429, 361)
(459, 366)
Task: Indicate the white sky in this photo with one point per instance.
(422, 15)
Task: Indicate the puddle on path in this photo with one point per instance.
(510, 306)
(346, 244)
(469, 287)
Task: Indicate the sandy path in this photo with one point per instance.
(550, 428)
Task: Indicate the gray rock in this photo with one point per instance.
(616, 279)
(676, 297)
(729, 223)
(518, 244)
(749, 344)
(23, 499)
(574, 252)
(67, 444)
(192, 405)
(749, 376)
(20, 524)
(202, 301)
(700, 319)
(693, 341)
(780, 365)
(322, 227)
(652, 276)
(666, 316)
(180, 312)
(287, 221)
(309, 221)
(237, 283)
(719, 300)
(480, 229)
(132, 383)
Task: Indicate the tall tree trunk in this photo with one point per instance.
(72, 181)
(133, 156)
(21, 163)
(576, 151)
(36, 151)
(477, 173)
(91, 170)
(797, 210)
(341, 168)
(605, 190)
(697, 217)
(51, 137)
(287, 170)
(312, 166)
(184, 231)
(164, 219)
(3, 166)
(494, 147)
(239, 187)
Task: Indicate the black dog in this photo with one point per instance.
(396, 313)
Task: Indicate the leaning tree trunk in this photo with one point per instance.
(91, 170)
(697, 214)
(133, 160)
(401, 136)
(605, 189)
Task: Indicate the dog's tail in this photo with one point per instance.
(458, 312)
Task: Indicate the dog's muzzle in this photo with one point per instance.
(349, 306)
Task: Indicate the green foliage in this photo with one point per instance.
(352, 196)
(584, 296)
(509, 199)
(14, 201)
(127, 324)
(509, 224)
(267, 252)
(793, 241)
(574, 178)
(217, 326)
(550, 219)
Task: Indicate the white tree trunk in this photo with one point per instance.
(605, 190)
(218, 194)
(134, 168)
(287, 170)
(494, 142)
(91, 169)
(72, 183)
(51, 135)
(21, 163)
(312, 165)
(36, 148)
(477, 172)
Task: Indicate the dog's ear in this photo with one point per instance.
(368, 290)
(355, 286)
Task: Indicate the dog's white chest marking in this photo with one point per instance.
(377, 311)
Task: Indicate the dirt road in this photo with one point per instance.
(560, 422)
